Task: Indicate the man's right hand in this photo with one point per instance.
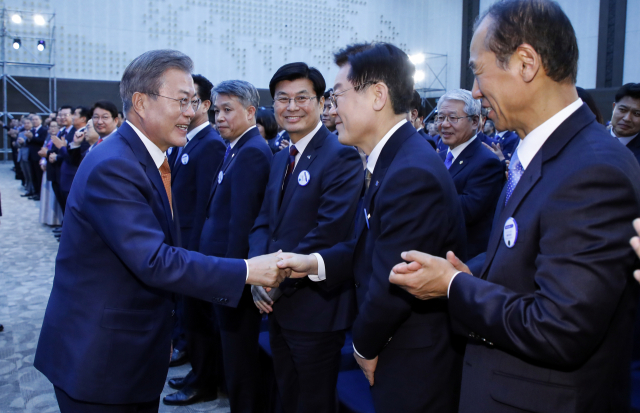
(52, 157)
(301, 265)
(264, 271)
(42, 152)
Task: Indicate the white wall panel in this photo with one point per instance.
(632, 43)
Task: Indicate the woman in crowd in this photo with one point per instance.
(50, 211)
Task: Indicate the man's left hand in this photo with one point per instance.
(425, 276)
(368, 367)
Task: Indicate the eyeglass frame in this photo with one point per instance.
(304, 103)
(332, 96)
(182, 102)
(449, 118)
(102, 118)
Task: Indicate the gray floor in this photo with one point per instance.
(27, 259)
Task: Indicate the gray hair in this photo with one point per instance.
(145, 73)
(471, 105)
(246, 93)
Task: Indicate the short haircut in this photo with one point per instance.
(471, 105)
(630, 89)
(106, 105)
(204, 87)
(327, 94)
(267, 119)
(588, 99)
(380, 62)
(540, 23)
(145, 73)
(295, 71)
(416, 103)
(246, 93)
(85, 112)
(66, 107)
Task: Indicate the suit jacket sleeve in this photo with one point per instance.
(211, 158)
(117, 199)
(247, 192)
(581, 273)
(259, 236)
(482, 189)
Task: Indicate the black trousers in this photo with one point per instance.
(68, 404)
(36, 175)
(58, 193)
(306, 366)
(239, 331)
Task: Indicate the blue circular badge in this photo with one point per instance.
(169, 151)
(303, 178)
(185, 159)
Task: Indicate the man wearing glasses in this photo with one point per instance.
(477, 173)
(311, 198)
(403, 346)
(105, 338)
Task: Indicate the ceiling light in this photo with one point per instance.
(41, 45)
(39, 20)
(419, 76)
(16, 43)
(16, 18)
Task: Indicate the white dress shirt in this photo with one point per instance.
(624, 141)
(531, 144)
(458, 149)
(301, 145)
(193, 132)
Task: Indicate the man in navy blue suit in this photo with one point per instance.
(35, 144)
(105, 338)
(549, 313)
(311, 199)
(477, 173)
(193, 168)
(234, 203)
(53, 156)
(508, 141)
(403, 345)
(416, 116)
(68, 169)
(625, 120)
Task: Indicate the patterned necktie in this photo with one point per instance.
(165, 173)
(293, 151)
(367, 178)
(448, 160)
(515, 173)
(226, 153)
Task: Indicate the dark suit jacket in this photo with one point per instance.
(191, 182)
(428, 138)
(509, 142)
(311, 218)
(486, 139)
(234, 203)
(440, 145)
(107, 329)
(36, 143)
(54, 169)
(67, 168)
(551, 318)
(478, 176)
(634, 147)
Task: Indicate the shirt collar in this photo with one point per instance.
(233, 142)
(531, 144)
(193, 132)
(501, 134)
(156, 153)
(624, 141)
(458, 149)
(69, 128)
(375, 153)
(302, 143)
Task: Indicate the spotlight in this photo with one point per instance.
(417, 58)
(16, 18)
(419, 76)
(16, 43)
(41, 45)
(39, 20)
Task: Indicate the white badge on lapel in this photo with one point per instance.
(220, 177)
(303, 178)
(510, 232)
(169, 151)
(185, 159)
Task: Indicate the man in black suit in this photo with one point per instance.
(193, 168)
(402, 345)
(625, 120)
(311, 198)
(234, 203)
(35, 144)
(477, 173)
(55, 161)
(549, 313)
(416, 116)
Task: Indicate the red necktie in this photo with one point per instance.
(293, 151)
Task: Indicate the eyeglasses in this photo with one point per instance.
(300, 100)
(184, 102)
(104, 118)
(333, 96)
(452, 119)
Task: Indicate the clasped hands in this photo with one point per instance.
(269, 271)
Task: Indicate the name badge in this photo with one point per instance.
(303, 178)
(185, 159)
(510, 232)
(220, 177)
(169, 151)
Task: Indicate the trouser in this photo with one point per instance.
(68, 404)
(36, 175)
(26, 172)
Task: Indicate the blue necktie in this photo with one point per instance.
(226, 153)
(515, 173)
(448, 160)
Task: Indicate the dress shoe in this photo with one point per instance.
(177, 382)
(27, 194)
(188, 396)
(35, 198)
(178, 358)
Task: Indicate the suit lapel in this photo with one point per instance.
(462, 160)
(187, 150)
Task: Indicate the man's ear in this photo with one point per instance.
(381, 96)
(528, 62)
(251, 113)
(139, 103)
(206, 105)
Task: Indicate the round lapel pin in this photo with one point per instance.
(510, 232)
(185, 159)
(303, 178)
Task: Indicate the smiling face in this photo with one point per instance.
(455, 134)
(625, 119)
(103, 122)
(232, 118)
(297, 119)
(64, 118)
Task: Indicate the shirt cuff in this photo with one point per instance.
(356, 351)
(247, 264)
(74, 145)
(322, 274)
(451, 282)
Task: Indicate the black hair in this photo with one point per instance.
(267, 119)
(66, 107)
(204, 87)
(630, 89)
(106, 105)
(540, 23)
(295, 71)
(380, 62)
(85, 112)
(588, 99)
(327, 94)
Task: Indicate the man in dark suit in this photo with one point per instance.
(101, 125)
(234, 203)
(549, 314)
(35, 144)
(327, 120)
(105, 338)
(416, 115)
(402, 345)
(55, 161)
(193, 169)
(625, 120)
(68, 168)
(477, 173)
(508, 141)
(311, 199)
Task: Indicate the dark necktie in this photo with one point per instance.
(226, 153)
(449, 160)
(515, 173)
(165, 174)
(293, 151)
(367, 179)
